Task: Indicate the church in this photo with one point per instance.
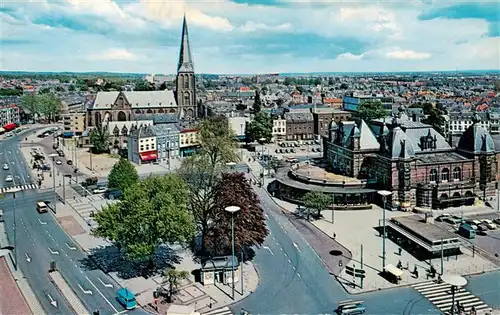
(414, 162)
(124, 111)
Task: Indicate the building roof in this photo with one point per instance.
(137, 99)
(476, 139)
(158, 118)
(367, 140)
(165, 129)
(142, 132)
(399, 144)
(427, 231)
(299, 117)
(442, 157)
(185, 58)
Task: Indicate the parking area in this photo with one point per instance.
(486, 226)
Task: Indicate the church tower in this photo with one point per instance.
(185, 87)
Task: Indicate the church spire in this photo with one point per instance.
(185, 58)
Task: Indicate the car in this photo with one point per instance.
(69, 162)
(100, 190)
(9, 178)
(497, 220)
(472, 224)
(58, 162)
(489, 224)
(6, 166)
(351, 308)
(126, 298)
(482, 227)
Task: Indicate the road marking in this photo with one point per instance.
(85, 291)
(53, 252)
(289, 261)
(116, 311)
(267, 217)
(52, 301)
(277, 243)
(281, 248)
(296, 246)
(293, 267)
(42, 223)
(107, 285)
(28, 258)
(70, 247)
(265, 247)
(298, 274)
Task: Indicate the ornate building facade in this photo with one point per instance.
(415, 162)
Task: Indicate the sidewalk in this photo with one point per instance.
(365, 235)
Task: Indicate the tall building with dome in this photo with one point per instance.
(414, 162)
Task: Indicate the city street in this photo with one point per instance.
(11, 156)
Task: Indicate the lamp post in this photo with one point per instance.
(53, 156)
(455, 281)
(261, 140)
(384, 194)
(13, 192)
(232, 210)
(90, 151)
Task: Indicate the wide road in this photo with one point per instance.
(11, 156)
(293, 279)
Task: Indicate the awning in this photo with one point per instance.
(393, 270)
(148, 156)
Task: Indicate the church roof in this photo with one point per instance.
(367, 140)
(185, 58)
(400, 146)
(137, 99)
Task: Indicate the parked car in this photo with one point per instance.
(9, 178)
(442, 217)
(69, 162)
(100, 190)
(472, 223)
(489, 224)
(497, 220)
(58, 162)
(482, 227)
(126, 298)
(6, 166)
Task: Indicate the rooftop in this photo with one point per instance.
(427, 231)
(437, 158)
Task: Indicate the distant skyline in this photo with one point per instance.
(251, 37)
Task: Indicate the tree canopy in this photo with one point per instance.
(151, 213)
(123, 175)
(249, 222)
(260, 127)
(99, 139)
(201, 171)
(11, 92)
(370, 110)
(434, 115)
(257, 103)
(46, 105)
(316, 200)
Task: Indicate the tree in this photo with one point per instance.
(123, 175)
(49, 106)
(249, 222)
(29, 104)
(370, 110)
(151, 213)
(260, 127)
(173, 278)
(143, 85)
(317, 201)
(99, 138)
(201, 171)
(257, 103)
(11, 92)
(71, 88)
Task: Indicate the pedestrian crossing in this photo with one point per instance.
(440, 295)
(6, 190)
(220, 311)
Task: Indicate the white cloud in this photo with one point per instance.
(349, 56)
(114, 54)
(255, 27)
(407, 55)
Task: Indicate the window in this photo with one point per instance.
(433, 175)
(142, 148)
(445, 175)
(186, 83)
(457, 173)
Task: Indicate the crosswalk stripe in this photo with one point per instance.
(17, 187)
(220, 311)
(440, 295)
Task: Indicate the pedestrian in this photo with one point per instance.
(407, 266)
(399, 251)
(334, 235)
(340, 263)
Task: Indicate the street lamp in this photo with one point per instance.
(53, 156)
(13, 192)
(384, 194)
(90, 151)
(455, 281)
(261, 140)
(232, 210)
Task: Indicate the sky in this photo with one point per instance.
(250, 36)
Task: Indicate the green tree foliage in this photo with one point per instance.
(151, 213)
(11, 92)
(123, 175)
(434, 115)
(173, 278)
(260, 127)
(71, 88)
(201, 171)
(257, 103)
(99, 139)
(370, 110)
(317, 201)
(29, 104)
(49, 106)
(44, 90)
(143, 85)
(249, 223)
